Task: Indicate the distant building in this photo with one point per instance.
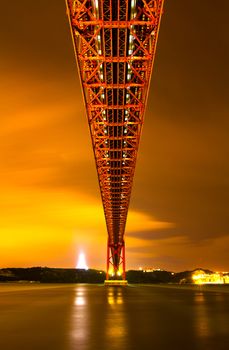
(201, 277)
(149, 269)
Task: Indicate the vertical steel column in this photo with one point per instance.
(124, 261)
(116, 264)
(108, 260)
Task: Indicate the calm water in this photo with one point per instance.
(86, 317)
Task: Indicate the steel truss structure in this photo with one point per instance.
(115, 44)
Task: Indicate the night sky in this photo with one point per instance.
(50, 205)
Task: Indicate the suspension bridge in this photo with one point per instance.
(115, 44)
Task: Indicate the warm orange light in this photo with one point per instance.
(82, 262)
(200, 277)
(111, 272)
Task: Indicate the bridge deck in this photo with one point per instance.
(115, 43)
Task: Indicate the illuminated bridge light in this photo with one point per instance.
(115, 51)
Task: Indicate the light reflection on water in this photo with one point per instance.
(92, 317)
(79, 319)
(98, 318)
(114, 297)
(110, 318)
(116, 325)
(202, 325)
(210, 318)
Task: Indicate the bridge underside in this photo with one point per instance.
(115, 43)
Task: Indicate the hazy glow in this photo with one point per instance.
(111, 271)
(81, 264)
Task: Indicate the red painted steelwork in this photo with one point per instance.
(115, 43)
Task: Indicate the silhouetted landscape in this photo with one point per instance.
(61, 275)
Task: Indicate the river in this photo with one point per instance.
(91, 317)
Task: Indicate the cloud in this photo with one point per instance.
(179, 253)
(138, 222)
(155, 234)
(50, 201)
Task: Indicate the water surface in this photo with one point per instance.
(91, 317)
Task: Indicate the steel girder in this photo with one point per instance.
(115, 44)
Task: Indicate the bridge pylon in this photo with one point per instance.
(116, 261)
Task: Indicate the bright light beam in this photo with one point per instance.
(81, 264)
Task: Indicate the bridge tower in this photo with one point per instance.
(115, 44)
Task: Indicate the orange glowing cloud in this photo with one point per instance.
(50, 206)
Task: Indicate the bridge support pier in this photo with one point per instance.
(116, 263)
